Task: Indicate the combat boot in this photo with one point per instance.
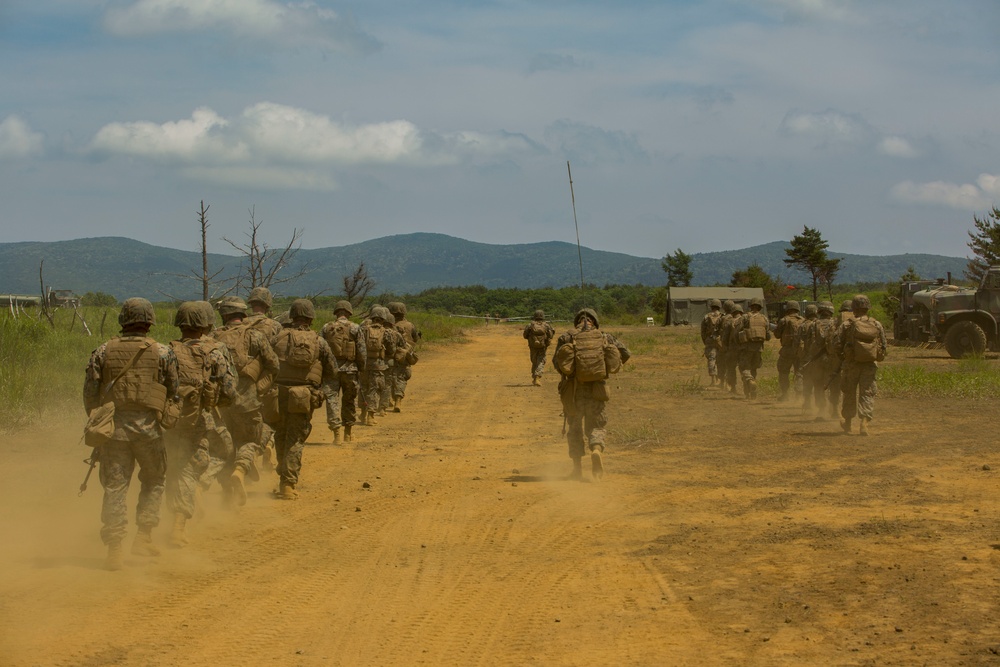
(336, 436)
(577, 469)
(863, 428)
(143, 544)
(177, 537)
(535, 382)
(267, 458)
(845, 424)
(364, 418)
(347, 433)
(596, 465)
(116, 557)
(288, 492)
(370, 419)
(396, 404)
(236, 484)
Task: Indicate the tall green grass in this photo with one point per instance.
(969, 379)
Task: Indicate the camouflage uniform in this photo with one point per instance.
(294, 425)
(729, 351)
(750, 350)
(137, 437)
(342, 388)
(538, 354)
(858, 378)
(816, 336)
(402, 370)
(844, 315)
(584, 403)
(710, 332)
(373, 377)
(788, 356)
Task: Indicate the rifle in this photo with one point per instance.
(92, 461)
(833, 375)
(816, 356)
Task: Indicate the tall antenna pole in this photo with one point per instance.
(573, 199)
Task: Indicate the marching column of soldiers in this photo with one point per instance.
(221, 404)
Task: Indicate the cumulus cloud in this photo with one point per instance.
(828, 127)
(966, 196)
(269, 139)
(589, 144)
(17, 140)
(287, 23)
(897, 147)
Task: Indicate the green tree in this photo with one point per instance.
(678, 268)
(755, 276)
(808, 253)
(985, 245)
(98, 299)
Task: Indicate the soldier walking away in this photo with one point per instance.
(711, 326)
(305, 364)
(786, 331)
(862, 344)
(752, 330)
(729, 351)
(539, 335)
(585, 357)
(137, 375)
(403, 360)
(380, 345)
(348, 346)
(260, 302)
(256, 366)
(817, 352)
(206, 380)
(845, 314)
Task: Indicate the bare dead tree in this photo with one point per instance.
(45, 299)
(357, 285)
(211, 285)
(260, 263)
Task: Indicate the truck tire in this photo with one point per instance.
(965, 339)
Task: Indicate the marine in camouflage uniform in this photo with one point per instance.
(729, 351)
(710, 332)
(207, 380)
(584, 403)
(260, 302)
(845, 314)
(138, 375)
(256, 366)
(539, 335)
(402, 366)
(750, 350)
(342, 389)
(857, 376)
(816, 335)
(306, 363)
(786, 331)
(373, 378)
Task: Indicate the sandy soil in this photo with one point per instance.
(725, 532)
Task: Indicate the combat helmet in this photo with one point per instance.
(825, 307)
(382, 313)
(260, 295)
(812, 310)
(727, 305)
(846, 306)
(586, 312)
(539, 315)
(194, 315)
(792, 305)
(861, 302)
(136, 311)
(345, 306)
(302, 308)
(757, 301)
(737, 307)
(714, 303)
(397, 308)
(232, 305)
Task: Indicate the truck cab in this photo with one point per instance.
(965, 319)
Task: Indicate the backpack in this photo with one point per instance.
(864, 340)
(298, 348)
(237, 339)
(588, 357)
(339, 338)
(710, 326)
(538, 335)
(756, 330)
(374, 335)
(789, 330)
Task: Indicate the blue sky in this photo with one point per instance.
(695, 125)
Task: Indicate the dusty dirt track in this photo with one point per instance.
(725, 532)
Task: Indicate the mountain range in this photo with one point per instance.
(408, 264)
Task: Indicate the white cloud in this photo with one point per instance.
(828, 126)
(840, 11)
(593, 145)
(17, 140)
(965, 196)
(289, 23)
(897, 147)
(197, 139)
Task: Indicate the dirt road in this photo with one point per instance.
(725, 532)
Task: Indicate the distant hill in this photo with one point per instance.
(407, 263)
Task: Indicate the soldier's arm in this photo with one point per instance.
(92, 380)
(328, 361)
(262, 350)
(360, 347)
(168, 370)
(622, 350)
(524, 334)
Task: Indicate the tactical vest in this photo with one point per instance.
(139, 387)
(756, 329)
(408, 330)
(789, 329)
(374, 341)
(341, 342)
(538, 335)
(237, 339)
(298, 352)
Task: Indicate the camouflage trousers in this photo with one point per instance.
(341, 394)
(585, 415)
(118, 459)
(372, 386)
(187, 461)
(727, 362)
(712, 358)
(537, 361)
(858, 387)
(247, 432)
(788, 365)
(400, 375)
(814, 379)
(290, 433)
(221, 453)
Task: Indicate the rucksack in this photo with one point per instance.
(588, 357)
(710, 326)
(538, 335)
(298, 348)
(789, 330)
(339, 338)
(864, 340)
(756, 330)
(374, 335)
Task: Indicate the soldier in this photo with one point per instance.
(306, 363)
(588, 356)
(260, 301)
(380, 345)
(833, 382)
(206, 380)
(256, 366)
(730, 345)
(539, 335)
(348, 346)
(405, 357)
(861, 345)
(817, 337)
(710, 332)
(752, 330)
(788, 356)
(137, 375)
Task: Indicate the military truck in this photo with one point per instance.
(910, 320)
(965, 319)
